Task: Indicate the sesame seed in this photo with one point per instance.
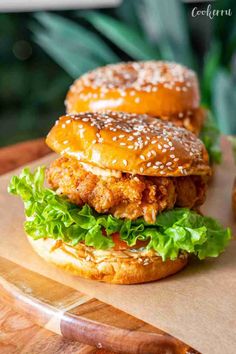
(153, 152)
(142, 130)
(133, 77)
(66, 150)
(136, 133)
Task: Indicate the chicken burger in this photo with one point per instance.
(124, 198)
(165, 90)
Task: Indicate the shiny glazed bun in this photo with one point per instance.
(156, 88)
(192, 120)
(131, 143)
(119, 267)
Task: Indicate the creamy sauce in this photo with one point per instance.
(101, 171)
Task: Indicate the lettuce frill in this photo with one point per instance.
(51, 215)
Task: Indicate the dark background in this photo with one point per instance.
(42, 53)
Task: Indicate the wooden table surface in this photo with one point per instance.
(19, 335)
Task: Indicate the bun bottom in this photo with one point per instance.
(117, 267)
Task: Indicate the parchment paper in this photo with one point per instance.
(198, 305)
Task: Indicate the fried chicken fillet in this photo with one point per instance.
(127, 196)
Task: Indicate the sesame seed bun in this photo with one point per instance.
(131, 143)
(192, 120)
(155, 88)
(118, 267)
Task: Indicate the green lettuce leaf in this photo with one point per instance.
(210, 136)
(51, 215)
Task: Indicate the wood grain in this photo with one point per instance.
(78, 317)
(19, 154)
(19, 335)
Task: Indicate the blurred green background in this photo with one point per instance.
(41, 54)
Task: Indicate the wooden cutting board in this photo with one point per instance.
(80, 317)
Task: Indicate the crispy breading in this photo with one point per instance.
(130, 196)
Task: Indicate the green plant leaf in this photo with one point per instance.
(127, 12)
(210, 135)
(224, 101)
(73, 33)
(165, 25)
(210, 68)
(123, 36)
(72, 62)
(82, 49)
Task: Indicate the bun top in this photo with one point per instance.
(153, 87)
(131, 143)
